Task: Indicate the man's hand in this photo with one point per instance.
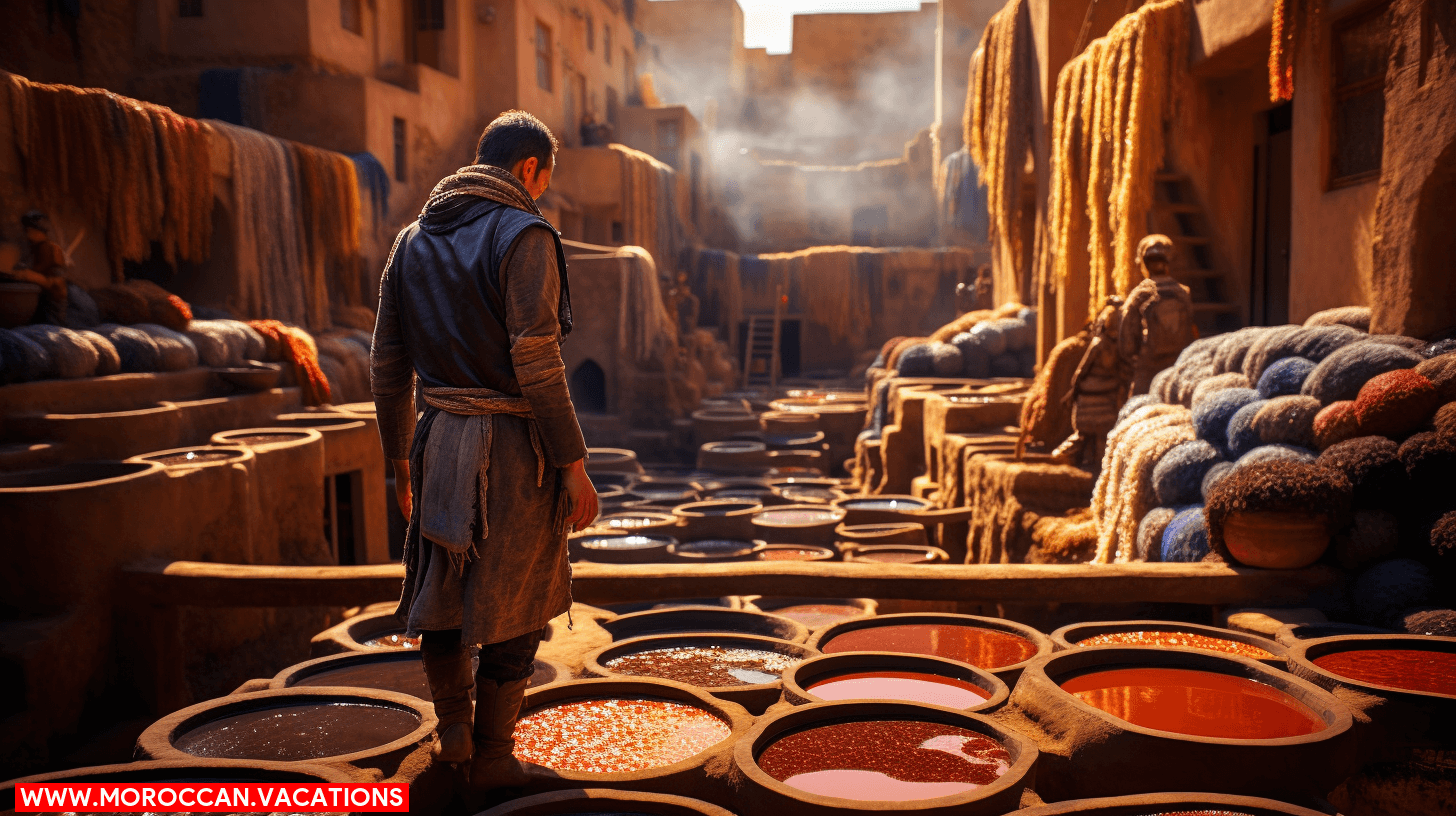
(402, 493)
(581, 494)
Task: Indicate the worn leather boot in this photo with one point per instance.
(496, 708)
(451, 678)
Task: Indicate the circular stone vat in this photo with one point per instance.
(191, 769)
(897, 554)
(999, 646)
(252, 375)
(1412, 676)
(817, 613)
(1170, 634)
(716, 424)
(607, 478)
(889, 676)
(729, 518)
(368, 632)
(619, 548)
(789, 422)
(629, 607)
(810, 494)
(645, 734)
(1171, 804)
(715, 550)
(744, 669)
(804, 440)
(604, 802)
(612, 460)
(363, 727)
(196, 456)
(1185, 719)
(693, 620)
(881, 509)
(637, 521)
(888, 756)
(667, 491)
(399, 671)
(898, 532)
(797, 524)
(796, 552)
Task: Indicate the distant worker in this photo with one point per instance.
(1157, 320)
(474, 301)
(1099, 388)
(978, 293)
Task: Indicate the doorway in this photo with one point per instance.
(1273, 169)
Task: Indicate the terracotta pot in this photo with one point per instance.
(253, 376)
(1276, 540)
(899, 532)
(896, 554)
(612, 460)
(797, 524)
(799, 679)
(764, 794)
(1170, 803)
(1073, 634)
(755, 697)
(695, 620)
(816, 613)
(730, 519)
(619, 548)
(797, 552)
(601, 800)
(996, 652)
(1099, 747)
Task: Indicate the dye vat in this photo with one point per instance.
(795, 552)
(1171, 804)
(910, 687)
(980, 647)
(690, 621)
(817, 613)
(616, 735)
(904, 504)
(195, 457)
(605, 802)
(1429, 672)
(635, 520)
(717, 518)
(1178, 640)
(297, 732)
(715, 549)
(810, 494)
(896, 554)
(893, 677)
(1197, 703)
(810, 524)
(798, 516)
(406, 676)
(392, 640)
(619, 548)
(705, 666)
(1166, 634)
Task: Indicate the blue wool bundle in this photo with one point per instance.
(1242, 436)
(990, 336)
(1134, 403)
(1285, 377)
(1186, 538)
(1018, 333)
(23, 359)
(81, 309)
(1178, 476)
(1340, 375)
(1438, 348)
(1384, 590)
(71, 357)
(1212, 414)
(1150, 533)
(136, 349)
(1234, 346)
(1218, 382)
(945, 360)
(1315, 343)
(1276, 453)
(1215, 474)
(975, 362)
(916, 361)
(176, 348)
(1006, 364)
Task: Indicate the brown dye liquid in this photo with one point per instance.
(193, 457)
(392, 640)
(1198, 703)
(616, 735)
(1411, 669)
(817, 615)
(404, 676)
(298, 732)
(789, 554)
(1186, 640)
(982, 648)
(706, 666)
(889, 760)
(915, 687)
(265, 439)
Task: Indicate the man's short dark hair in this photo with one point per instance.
(513, 137)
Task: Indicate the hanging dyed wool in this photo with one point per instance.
(328, 207)
(646, 329)
(649, 207)
(374, 178)
(302, 354)
(1000, 116)
(1290, 18)
(1107, 143)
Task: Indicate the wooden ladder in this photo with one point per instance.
(761, 363)
(1177, 214)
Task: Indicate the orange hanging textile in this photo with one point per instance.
(303, 355)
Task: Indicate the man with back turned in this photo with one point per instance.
(474, 302)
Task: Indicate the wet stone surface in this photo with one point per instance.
(1186, 640)
(885, 760)
(1412, 669)
(298, 732)
(616, 735)
(982, 648)
(1197, 703)
(706, 666)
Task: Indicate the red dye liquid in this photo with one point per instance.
(916, 687)
(895, 557)
(1198, 703)
(1186, 640)
(790, 554)
(982, 648)
(816, 615)
(891, 760)
(1410, 669)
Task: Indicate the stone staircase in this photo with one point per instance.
(1177, 214)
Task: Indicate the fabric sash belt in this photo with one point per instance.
(457, 464)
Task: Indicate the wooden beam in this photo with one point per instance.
(189, 583)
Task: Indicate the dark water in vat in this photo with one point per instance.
(1412, 669)
(982, 648)
(715, 548)
(916, 687)
(298, 732)
(816, 615)
(797, 516)
(265, 439)
(885, 760)
(404, 676)
(1198, 703)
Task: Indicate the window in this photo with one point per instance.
(543, 56)
(351, 16)
(1361, 45)
(607, 41)
(189, 8)
(591, 33)
(399, 151)
(429, 15)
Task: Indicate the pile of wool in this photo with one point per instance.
(1286, 420)
(81, 310)
(1443, 538)
(1382, 592)
(136, 349)
(917, 361)
(1356, 317)
(1124, 490)
(68, 354)
(1186, 538)
(21, 359)
(1437, 622)
(1313, 344)
(1215, 474)
(1046, 418)
(1175, 384)
(1377, 475)
(352, 379)
(163, 307)
(175, 350)
(1335, 423)
(1150, 533)
(1134, 403)
(1178, 477)
(945, 360)
(1278, 486)
(108, 362)
(878, 413)
(1284, 377)
(1444, 422)
(1395, 403)
(1438, 348)
(883, 359)
(1213, 413)
(1341, 375)
(1218, 382)
(1373, 536)
(1241, 434)
(225, 343)
(1276, 453)
(120, 305)
(1430, 467)
(1234, 347)
(1441, 371)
